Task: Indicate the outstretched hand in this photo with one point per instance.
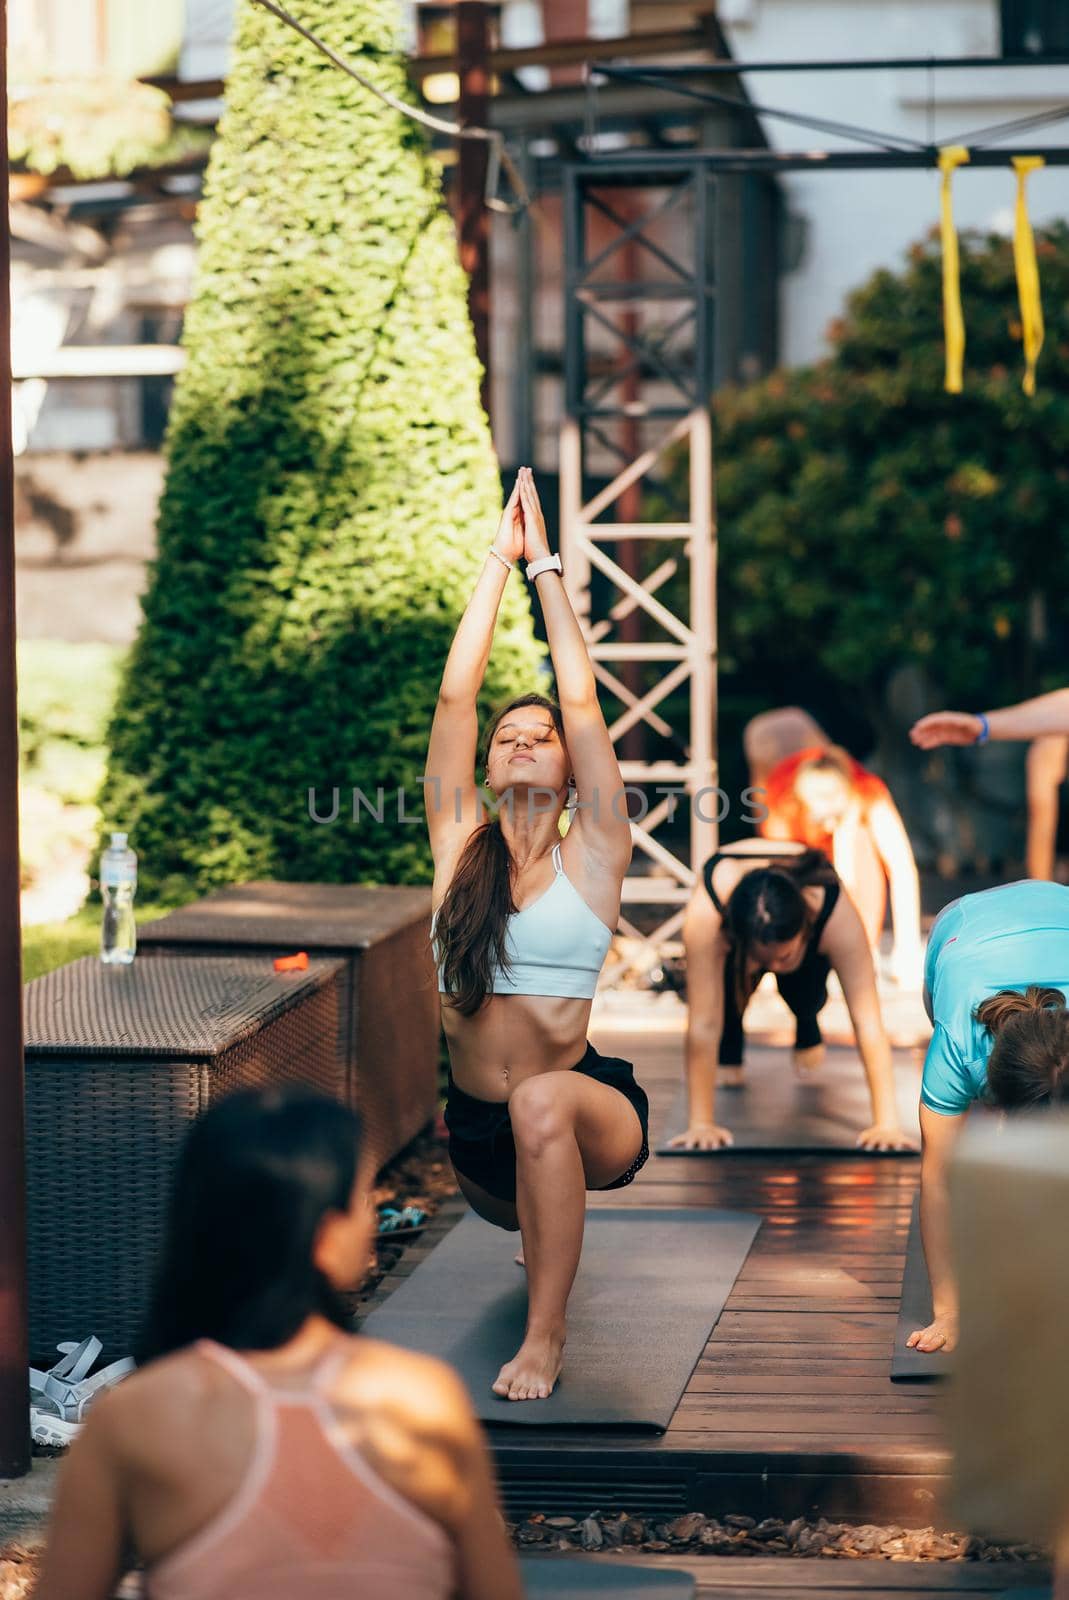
(940, 1334)
(536, 540)
(510, 531)
(702, 1136)
(888, 1136)
(946, 727)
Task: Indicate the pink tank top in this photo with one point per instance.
(311, 1518)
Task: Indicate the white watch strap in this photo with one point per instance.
(546, 564)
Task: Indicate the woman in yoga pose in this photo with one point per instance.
(263, 1449)
(776, 908)
(996, 980)
(816, 794)
(522, 924)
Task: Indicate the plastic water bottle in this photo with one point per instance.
(118, 881)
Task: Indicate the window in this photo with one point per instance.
(1035, 27)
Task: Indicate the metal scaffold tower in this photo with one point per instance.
(638, 376)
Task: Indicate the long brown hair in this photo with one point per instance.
(767, 906)
(471, 929)
(1029, 1061)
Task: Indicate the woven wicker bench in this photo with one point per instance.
(388, 1028)
(119, 1062)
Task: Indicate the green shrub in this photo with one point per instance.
(331, 488)
(869, 520)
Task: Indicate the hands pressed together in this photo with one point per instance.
(521, 534)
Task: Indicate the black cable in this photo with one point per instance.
(846, 130)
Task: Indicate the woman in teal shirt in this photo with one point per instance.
(996, 980)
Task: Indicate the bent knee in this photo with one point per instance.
(539, 1112)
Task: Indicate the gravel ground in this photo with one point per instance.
(698, 1535)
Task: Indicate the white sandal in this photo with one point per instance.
(59, 1397)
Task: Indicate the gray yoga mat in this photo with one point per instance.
(572, 1578)
(916, 1312)
(775, 1110)
(650, 1287)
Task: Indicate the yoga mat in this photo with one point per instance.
(650, 1287)
(778, 1111)
(916, 1312)
(572, 1578)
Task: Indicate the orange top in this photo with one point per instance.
(788, 818)
(312, 1519)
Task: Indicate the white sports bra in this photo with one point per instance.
(556, 946)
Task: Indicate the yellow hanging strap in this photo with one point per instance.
(953, 321)
(1024, 259)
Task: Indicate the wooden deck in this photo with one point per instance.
(791, 1410)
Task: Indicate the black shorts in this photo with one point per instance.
(481, 1146)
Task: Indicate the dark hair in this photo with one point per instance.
(472, 923)
(1029, 1061)
(256, 1176)
(766, 907)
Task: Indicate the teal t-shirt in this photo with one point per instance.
(1005, 938)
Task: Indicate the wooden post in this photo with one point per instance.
(14, 1338)
(473, 219)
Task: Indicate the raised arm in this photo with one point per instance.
(1030, 719)
(845, 945)
(706, 952)
(601, 817)
(896, 853)
(451, 795)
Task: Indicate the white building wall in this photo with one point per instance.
(857, 222)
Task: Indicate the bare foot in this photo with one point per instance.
(533, 1370)
(518, 1257)
(807, 1062)
(730, 1077)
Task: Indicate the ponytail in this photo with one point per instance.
(1029, 1062)
(766, 907)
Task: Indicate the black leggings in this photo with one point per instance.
(805, 991)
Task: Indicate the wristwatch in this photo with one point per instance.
(546, 564)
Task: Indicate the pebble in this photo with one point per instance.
(590, 1534)
(740, 1536)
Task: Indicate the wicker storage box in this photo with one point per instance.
(389, 1022)
(119, 1062)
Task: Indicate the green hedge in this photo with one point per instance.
(869, 520)
(331, 489)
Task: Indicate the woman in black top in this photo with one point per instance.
(781, 909)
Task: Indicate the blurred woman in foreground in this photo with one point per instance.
(263, 1452)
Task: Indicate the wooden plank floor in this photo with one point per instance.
(790, 1411)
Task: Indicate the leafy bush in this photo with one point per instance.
(869, 520)
(331, 489)
(98, 127)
